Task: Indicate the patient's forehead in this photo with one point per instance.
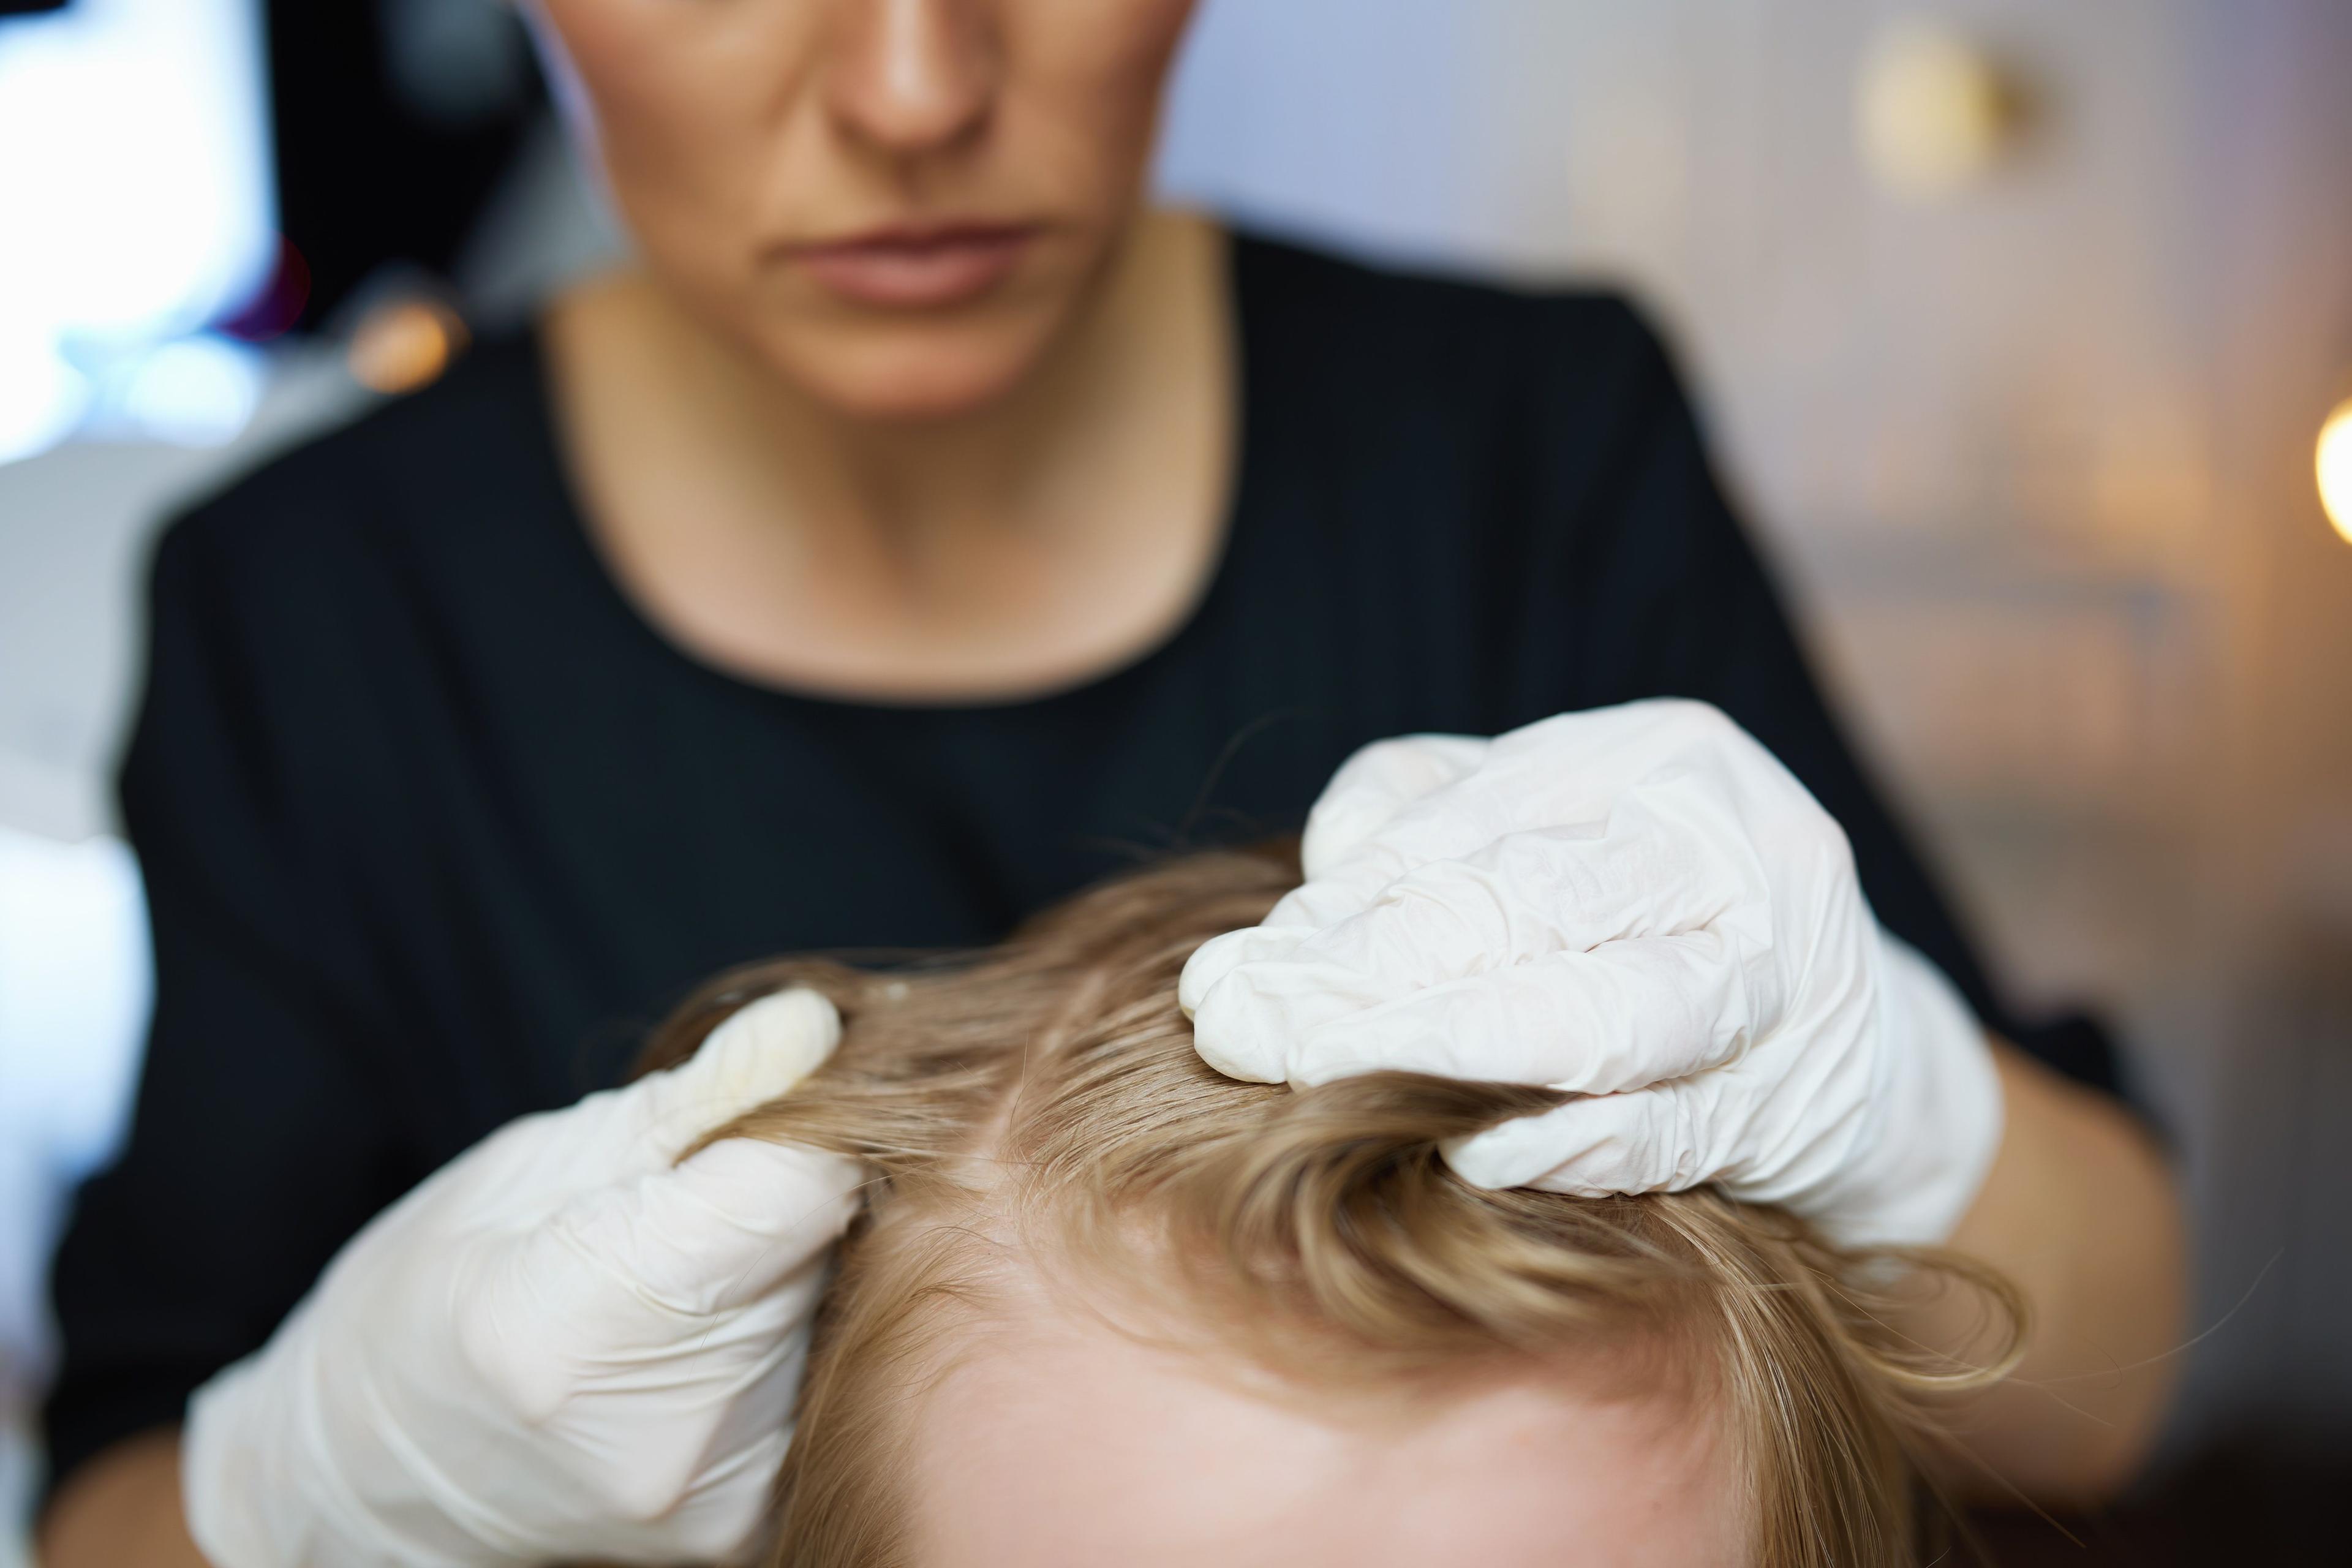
(1075, 1445)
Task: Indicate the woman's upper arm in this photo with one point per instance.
(262, 1134)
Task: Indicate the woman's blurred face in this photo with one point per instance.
(896, 204)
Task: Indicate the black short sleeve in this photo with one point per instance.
(258, 1141)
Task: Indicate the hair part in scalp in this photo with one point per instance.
(1047, 1091)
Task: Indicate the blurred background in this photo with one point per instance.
(2017, 325)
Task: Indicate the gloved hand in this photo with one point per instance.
(1641, 906)
(562, 1346)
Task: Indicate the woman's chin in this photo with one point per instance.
(918, 372)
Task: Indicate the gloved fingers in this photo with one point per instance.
(666, 1249)
(1577, 772)
(757, 1054)
(1528, 895)
(1625, 1015)
(1250, 947)
(1597, 752)
(657, 1310)
(1654, 1139)
(1452, 822)
(1376, 783)
(736, 1221)
(1512, 901)
(1248, 1022)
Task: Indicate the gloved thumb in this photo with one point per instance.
(756, 1055)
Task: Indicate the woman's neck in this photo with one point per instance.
(1024, 546)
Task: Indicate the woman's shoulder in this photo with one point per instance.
(1524, 412)
(1437, 322)
(467, 448)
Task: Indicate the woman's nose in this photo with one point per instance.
(913, 75)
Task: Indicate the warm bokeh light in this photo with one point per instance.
(1932, 112)
(2335, 469)
(405, 344)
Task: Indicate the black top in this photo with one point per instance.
(434, 824)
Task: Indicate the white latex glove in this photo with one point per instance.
(562, 1346)
(1641, 906)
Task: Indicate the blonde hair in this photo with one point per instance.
(1049, 1086)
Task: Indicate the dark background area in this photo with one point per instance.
(377, 162)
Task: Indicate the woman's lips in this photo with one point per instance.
(907, 268)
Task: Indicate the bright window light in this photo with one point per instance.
(137, 191)
(2335, 469)
(195, 392)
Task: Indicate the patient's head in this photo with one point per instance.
(1106, 1306)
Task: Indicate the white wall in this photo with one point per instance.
(135, 181)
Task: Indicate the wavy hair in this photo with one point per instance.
(1047, 1090)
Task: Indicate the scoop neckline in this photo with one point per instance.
(1209, 606)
